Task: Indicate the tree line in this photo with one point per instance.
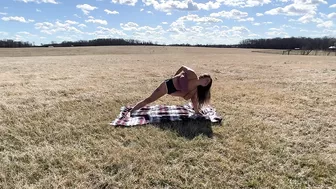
(100, 42)
(304, 43)
(14, 44)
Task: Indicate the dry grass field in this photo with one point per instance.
(278, 130)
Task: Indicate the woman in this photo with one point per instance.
(186, 84)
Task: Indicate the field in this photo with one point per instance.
(278, 130)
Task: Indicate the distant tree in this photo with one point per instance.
(289, 43)
(8, 43)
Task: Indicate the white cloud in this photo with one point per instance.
(38, 10)
(129, 26)
(324, 16)
(239, 30)
(253, 35)
(142, 10)
(292, 10)
(149, 35)
(143, 32)
(149, 12)
(249, 19)
(196, 18)
(66, 38)
(17, 19)
(233, 14)
(207, 34)
(96, 21)
(332, 15)
(259, 14)
(50, 28)
(209, 5)
(107, 32)
(327, 32)
(263, 23)
(77, 16)
(178, 26)
(196, 29)
(39, 1)
(305, 8)
(165, 23)
(279, 32)
(185, 5)
(146, 33)
(44, 25)
(3, 33)
(70, 22)
(126, 2)
(111, 12)
(169, 14)
(332, 6)
(310, 17)
(18, 38)
(3, 13)
(244, 3)
(86, 8)
(26, 33)
(81, 26)
(326, 24)
(288, 26)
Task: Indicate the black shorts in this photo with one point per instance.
(170, 86)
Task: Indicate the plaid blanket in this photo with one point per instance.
(164, 113)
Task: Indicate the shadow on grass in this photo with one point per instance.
(188, 129)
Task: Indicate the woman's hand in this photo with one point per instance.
(199, 112)
(126, 115)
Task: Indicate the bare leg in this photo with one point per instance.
(158, 93)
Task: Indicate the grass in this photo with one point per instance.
(278, 129)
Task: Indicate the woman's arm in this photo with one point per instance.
(195, 104)
(183, 68)
(190, 72)
(190, 94)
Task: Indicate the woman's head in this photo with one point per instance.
(203, 90)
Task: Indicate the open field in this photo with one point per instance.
(279, 127)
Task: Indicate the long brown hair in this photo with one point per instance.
(203, 93)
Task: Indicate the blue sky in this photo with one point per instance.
(165, 21)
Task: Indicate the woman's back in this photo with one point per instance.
(183, 83)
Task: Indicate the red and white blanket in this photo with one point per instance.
(164, 113)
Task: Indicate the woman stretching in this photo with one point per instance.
(185, 84)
